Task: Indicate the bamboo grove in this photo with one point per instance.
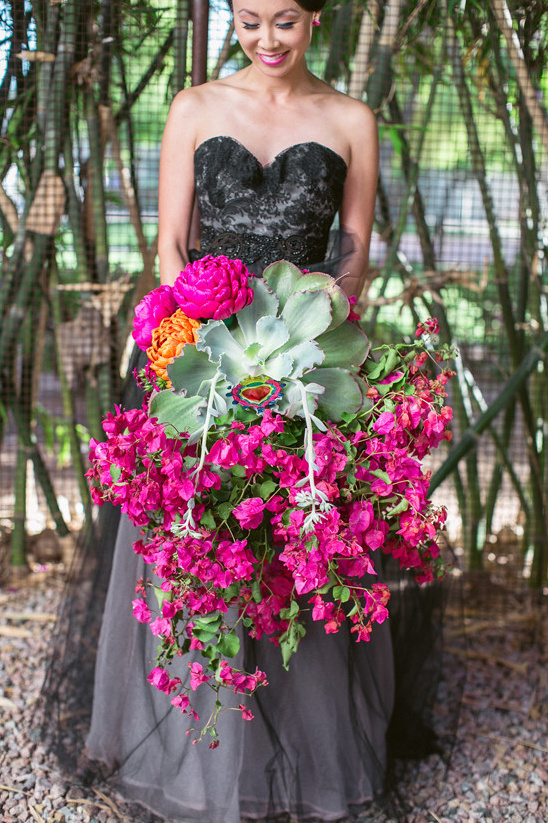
(459, 91)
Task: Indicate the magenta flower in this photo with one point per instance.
(249, 512)
(213, 288)
(197, 676)
(149, 313)
(160, 678)
(385, 423)
(141, 611)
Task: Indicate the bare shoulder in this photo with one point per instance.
(352, 113)
(190, 102)
(194, 107)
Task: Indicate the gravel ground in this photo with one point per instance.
(498, 769)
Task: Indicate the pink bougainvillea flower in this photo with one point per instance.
(385, 423)
(213, 288)
(249, 512)
(430, 326)
(160, 678)
(391, 378)
(197, 676)
(246, 713)
(149, 313)
(141, 611)
(361, 516)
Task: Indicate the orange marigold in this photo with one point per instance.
(168, 341)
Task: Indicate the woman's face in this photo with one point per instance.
(274, 34)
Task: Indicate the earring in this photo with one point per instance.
(315, 22)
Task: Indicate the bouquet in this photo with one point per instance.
(275, 456)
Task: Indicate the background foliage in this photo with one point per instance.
(459, 89)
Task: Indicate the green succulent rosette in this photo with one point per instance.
(292, 349)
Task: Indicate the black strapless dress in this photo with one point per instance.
(316, 748)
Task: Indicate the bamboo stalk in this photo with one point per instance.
(538, 115)
(68, 401)
(362, 56)
(380, 80)
(180, 46)
(95, 193)
(470, 438)
(42, 474)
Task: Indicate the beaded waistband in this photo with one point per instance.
(251, 247)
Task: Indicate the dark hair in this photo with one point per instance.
(307, 5)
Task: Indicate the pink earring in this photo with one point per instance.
(315, 22)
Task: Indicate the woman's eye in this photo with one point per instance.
(251, 25)
(285, 25)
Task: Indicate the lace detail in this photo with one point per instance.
(265, 213)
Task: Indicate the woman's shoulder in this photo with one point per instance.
(351, 112)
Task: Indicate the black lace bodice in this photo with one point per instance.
(260, 214)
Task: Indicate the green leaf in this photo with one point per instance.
(115, 472)
(342, 391)
(210, 651)
(225, 510)
(307, 315)
(382, 475)
(264, 304)
(267, 488)
(256, 593)
(341, 593)
(291, 612)
(340, 305)
(347, 347)
(238, 471)
(402, 506)
(161, 596)
(177, 411)
(229, 644)
(208, 620)
(289, 641)
(207, 520)
(282, 278)
(189, 370)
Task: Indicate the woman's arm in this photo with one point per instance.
(360, 191)
(176, 186)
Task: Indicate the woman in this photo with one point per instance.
(272, 105)
(269, 155)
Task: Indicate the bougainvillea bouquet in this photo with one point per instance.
(275, 458)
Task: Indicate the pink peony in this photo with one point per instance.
(213, 288)
(149, 313)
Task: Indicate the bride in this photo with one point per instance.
(264, 159)
(272, 113)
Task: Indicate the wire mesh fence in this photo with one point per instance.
(460, 230)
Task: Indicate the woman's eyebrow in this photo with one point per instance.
(278, 13)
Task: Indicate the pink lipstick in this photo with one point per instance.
(274, 59)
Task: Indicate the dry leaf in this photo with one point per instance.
(36, 56)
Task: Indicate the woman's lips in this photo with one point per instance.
(273, 59)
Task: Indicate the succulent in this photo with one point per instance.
(292, 348)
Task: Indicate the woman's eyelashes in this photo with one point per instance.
(278, 25)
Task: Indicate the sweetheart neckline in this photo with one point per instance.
(278, 155)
